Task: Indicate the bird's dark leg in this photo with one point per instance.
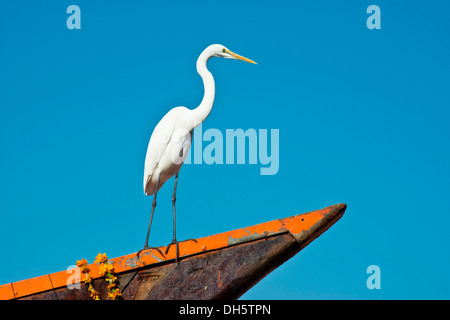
(174, 239)
(174, 199)
(151, 215)
(146, 247)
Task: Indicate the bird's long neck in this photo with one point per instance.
(202, 111)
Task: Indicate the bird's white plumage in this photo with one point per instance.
(171, 139)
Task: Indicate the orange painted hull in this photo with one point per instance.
(221, 266)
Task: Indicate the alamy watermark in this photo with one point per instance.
(74, 279)
(374, 20)
(74, 20)
(374, 280)
(236, 146)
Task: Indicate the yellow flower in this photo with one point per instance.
(110, 286)
(113, 295)
(85, 269)
(94, 294)
(87, 280)
(105, 268)
(100, 258)
(112, 278)
(81, 263)
(102, 270)
(108, 268)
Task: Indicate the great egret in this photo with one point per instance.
(171, 139)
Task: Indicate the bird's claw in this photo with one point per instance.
(176, 243)
(148, 248)
(177, 246)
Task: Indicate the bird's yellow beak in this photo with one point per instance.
(236, 56)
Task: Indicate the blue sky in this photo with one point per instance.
(362, 115)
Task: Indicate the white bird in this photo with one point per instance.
(171, 139)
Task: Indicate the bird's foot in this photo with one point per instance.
(176, 243)
(148, 248)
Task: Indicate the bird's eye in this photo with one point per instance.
(224, 50)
